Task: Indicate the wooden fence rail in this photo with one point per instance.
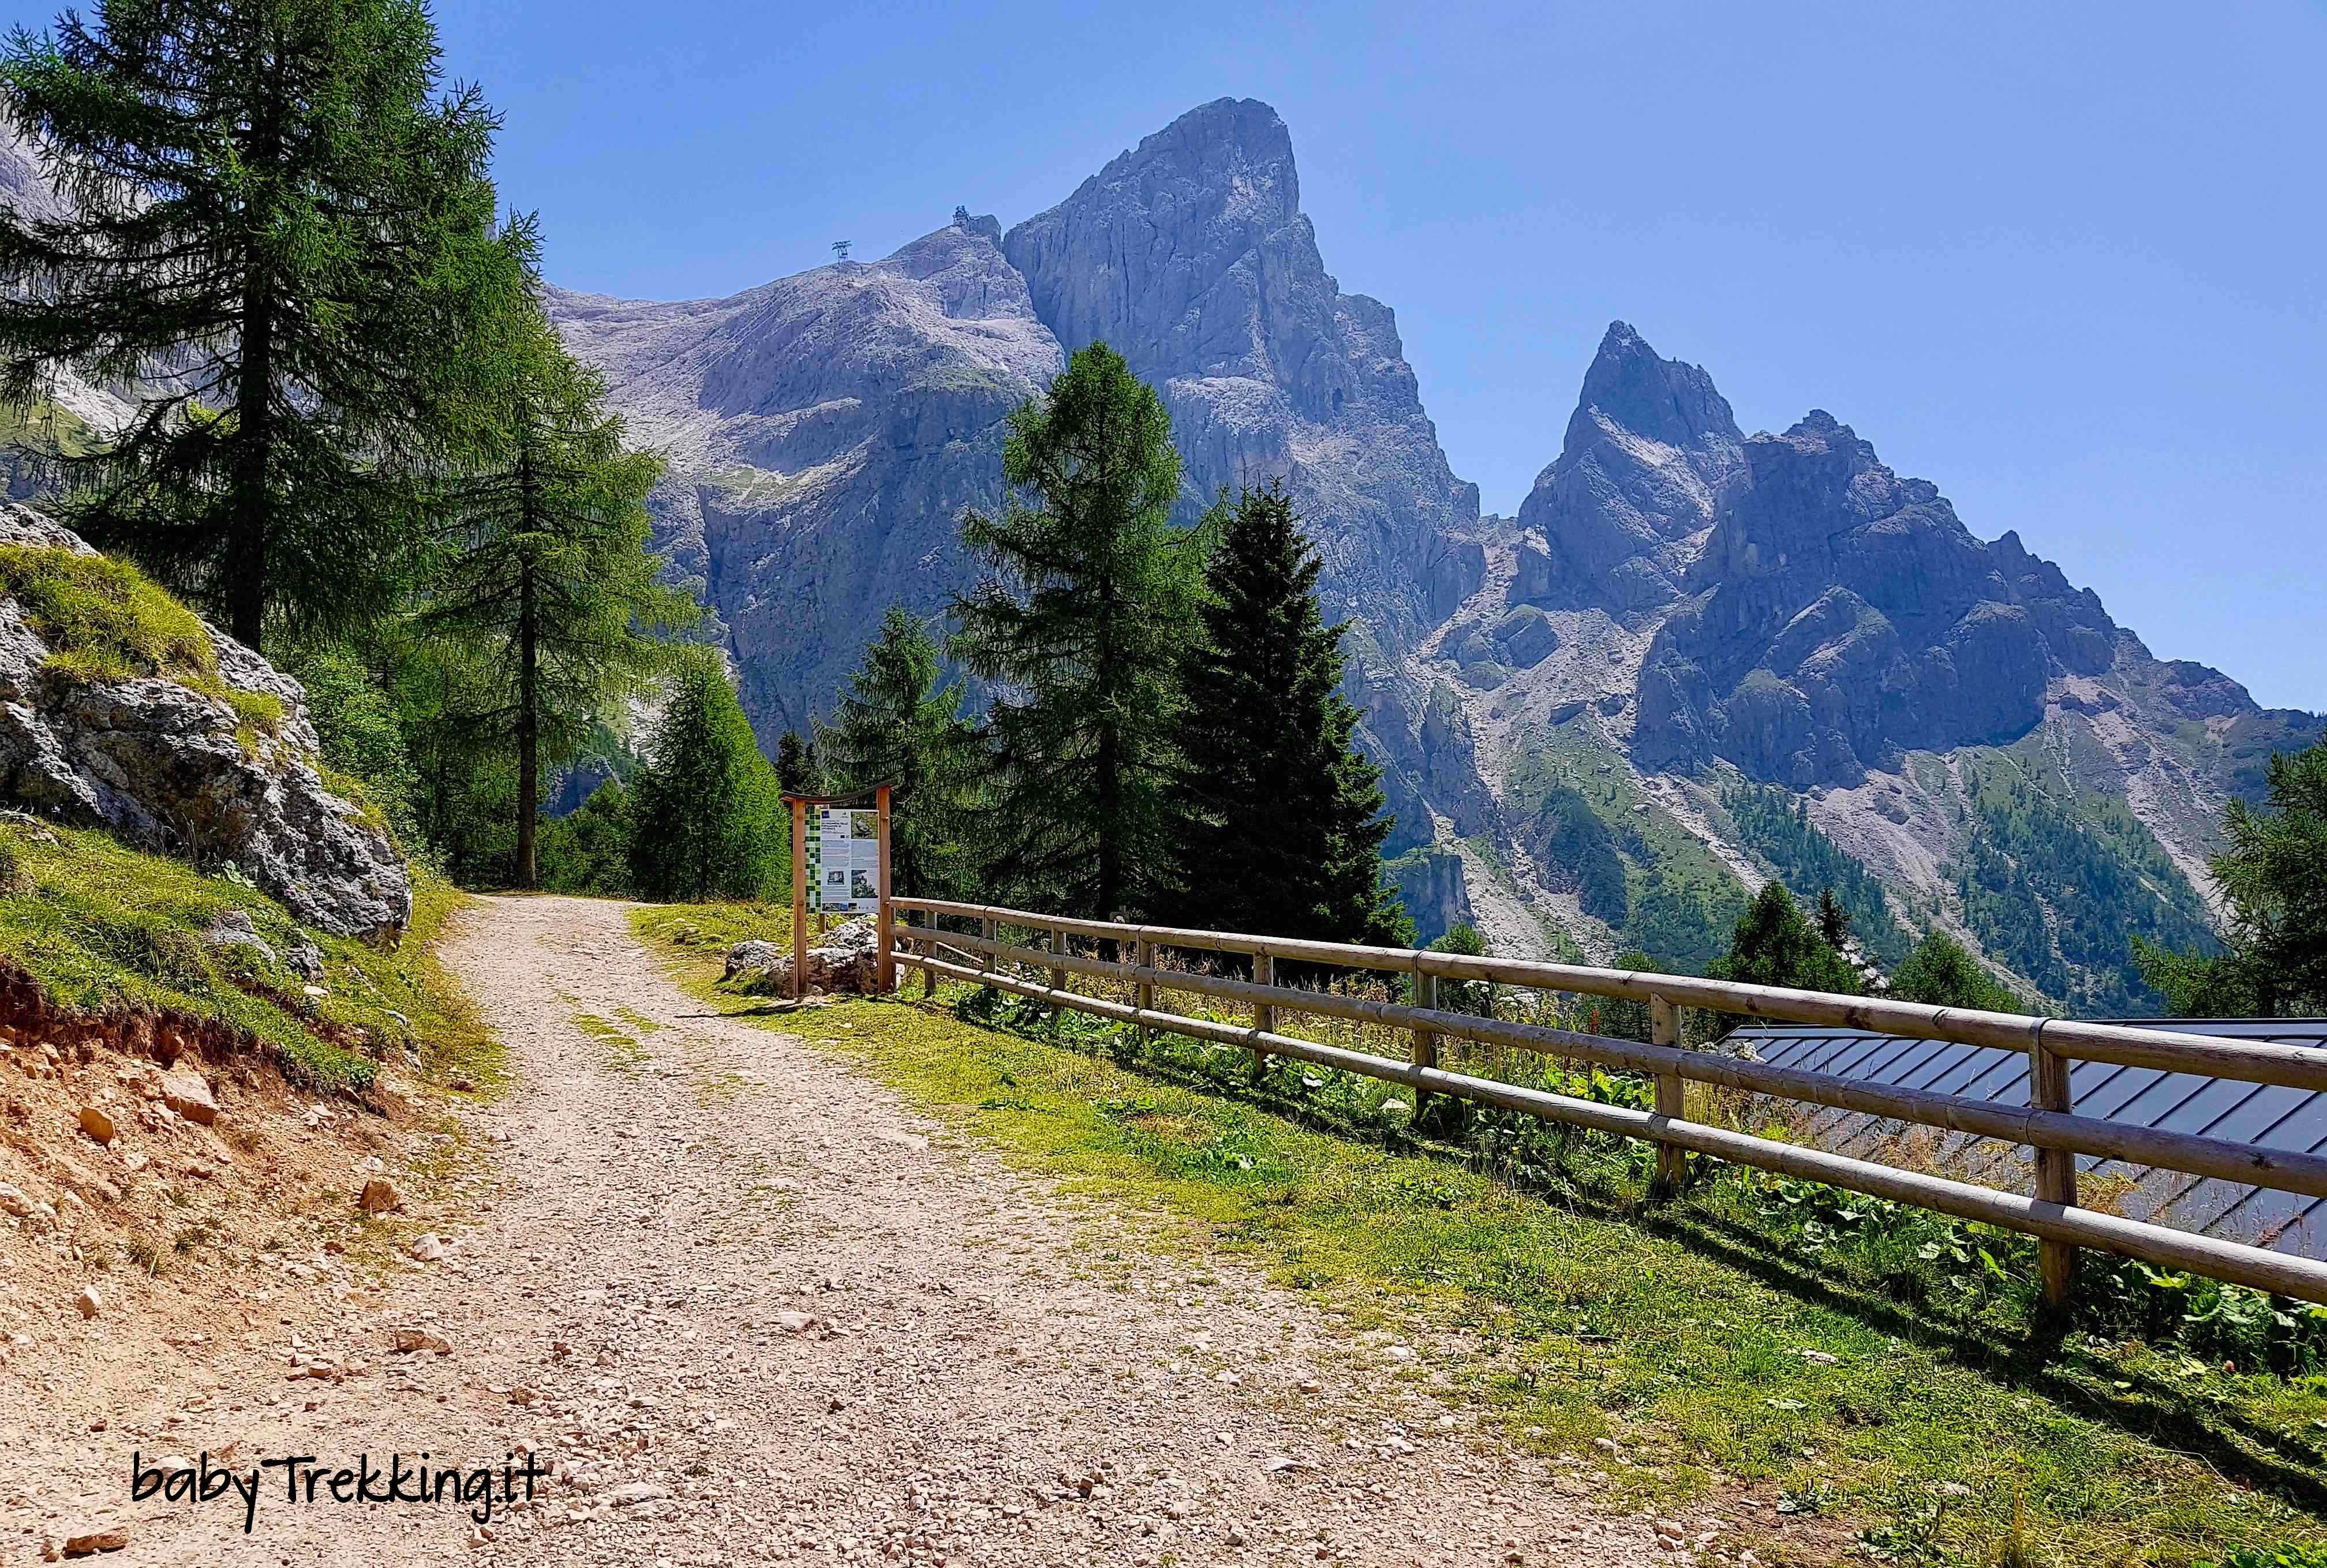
(2049, 1125)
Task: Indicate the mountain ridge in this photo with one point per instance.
(1575, 706)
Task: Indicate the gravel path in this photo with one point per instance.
(745, 1306)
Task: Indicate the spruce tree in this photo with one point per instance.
(704, 819)
(1833, 920)
(1277, 822)
(280, 235)
(1077, 631)
(551, 571)
(1775, 944)
(899, 726)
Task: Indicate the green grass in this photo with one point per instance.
(713, 928)
(1696, 1335)
(626, 1054)
(104, 615)
(47, 429)
(102, 928)
(105, 620)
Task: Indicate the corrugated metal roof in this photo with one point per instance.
(2258, 1113)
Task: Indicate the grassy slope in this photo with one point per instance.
(2059, 877)
(1679, 1334)
(1695, 899)
(102, 927)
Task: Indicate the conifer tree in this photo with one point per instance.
(703, 812)
(1079, 630)
(588, 850)
(1277, 822)
(899, 726)
(2274, 880)
(799, 771)
(279, 231)
(550, 570)
(1941, 972)
(1775, 945)
(1833, 920)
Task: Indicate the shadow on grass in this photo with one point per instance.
(2239, 1449)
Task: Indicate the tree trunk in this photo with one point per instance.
(1110, 810)
(528, 688)
(250, 508)
(529, 733)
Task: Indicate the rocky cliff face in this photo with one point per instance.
(1190, 256)
(1651, 452)
(1722, 613)
(1431, 885)
(1839, 616)
(826, 431)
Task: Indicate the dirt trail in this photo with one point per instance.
(749, 1308)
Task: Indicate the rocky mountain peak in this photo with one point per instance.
(1189, 255)
(1650, 451)
(1842, 614)
(1630, 388)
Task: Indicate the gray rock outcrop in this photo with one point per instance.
(1437, 895)
(1190, 256)
(174, 769)
(845, 958)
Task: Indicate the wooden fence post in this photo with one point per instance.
(1672, 1162)
(799, 900)
(1425, 1043)
(1264, 1014)
(1058, 945)
(885, 963)
(2056, 1169)
(986, 959)
(928, 951)
(1142, 953)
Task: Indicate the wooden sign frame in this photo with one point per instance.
(886, 963)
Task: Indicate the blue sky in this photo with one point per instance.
(2064, 259)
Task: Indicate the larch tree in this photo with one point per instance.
(277, 233)
(548, 567)
(1276, 819)
(1078, 631)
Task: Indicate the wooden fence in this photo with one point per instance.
(2049, 1127)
